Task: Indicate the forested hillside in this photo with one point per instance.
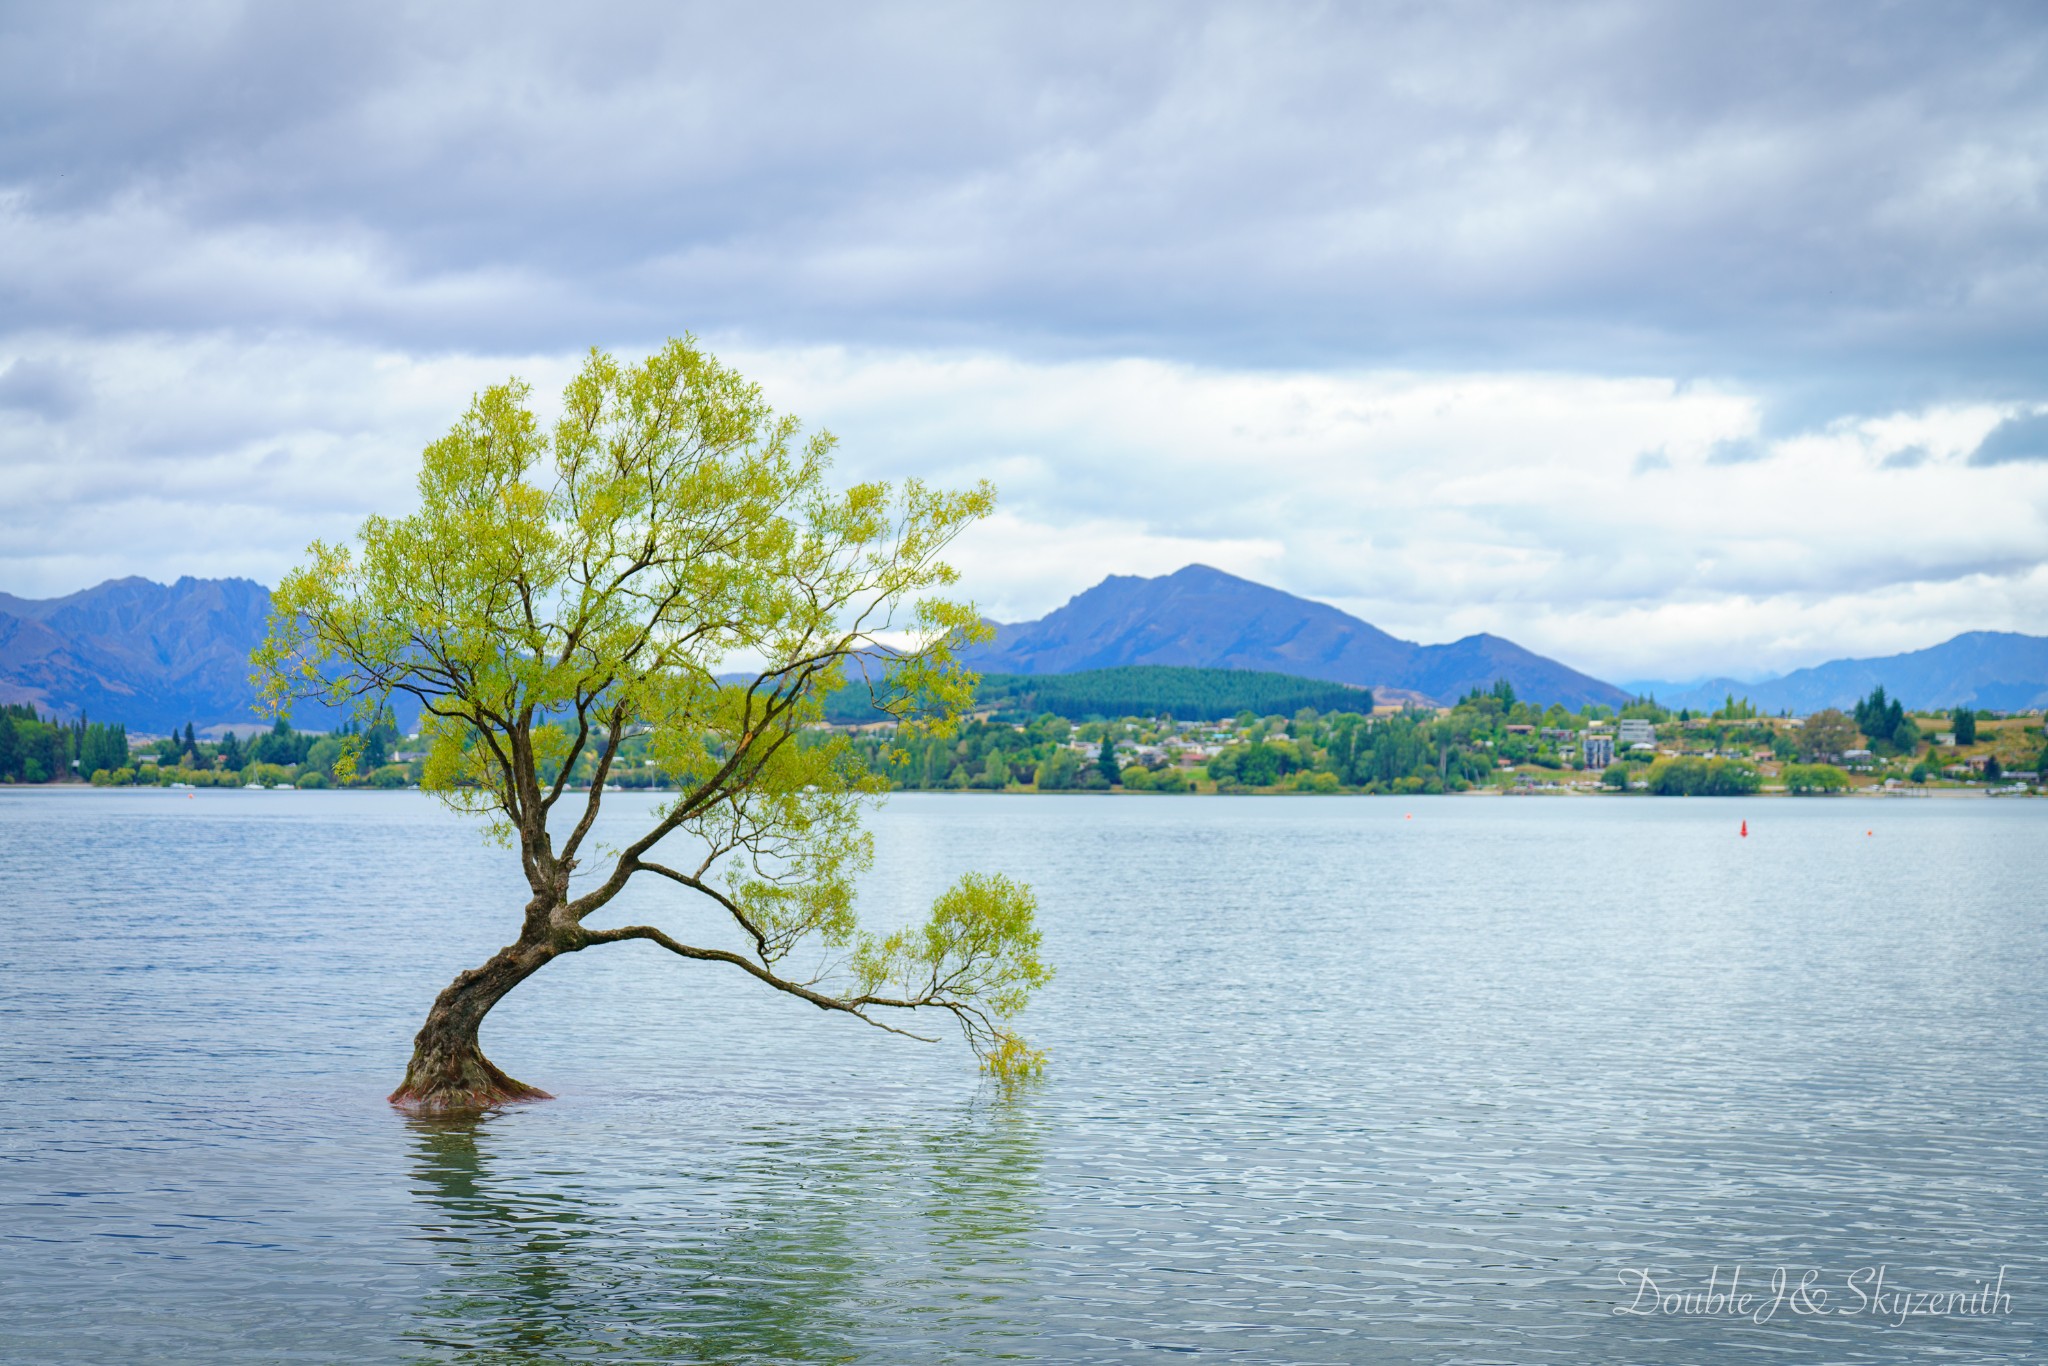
(1142, 690)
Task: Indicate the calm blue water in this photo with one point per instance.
(1333, 1080)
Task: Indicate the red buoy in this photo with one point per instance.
(1745, 829)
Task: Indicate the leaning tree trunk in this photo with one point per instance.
(449, 1071)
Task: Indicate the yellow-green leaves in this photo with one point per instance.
(557, 590)
(1011, 1059)
(977, 955)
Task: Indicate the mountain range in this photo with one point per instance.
(159, 656)
(1994, 670)
(1205, 618)
(145, 654)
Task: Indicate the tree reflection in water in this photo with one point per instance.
(786, 1243)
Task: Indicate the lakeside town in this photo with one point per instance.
(1488, 742)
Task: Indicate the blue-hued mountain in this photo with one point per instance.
(1994, 670)
(147, 655)
(1205, 618)
(156, 656)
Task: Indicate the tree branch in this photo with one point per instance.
(797, 989)
(697, 884)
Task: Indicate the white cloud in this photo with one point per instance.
(1432, 505)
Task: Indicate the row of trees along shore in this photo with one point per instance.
(1410, 751)
(35, 749)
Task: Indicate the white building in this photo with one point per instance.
(1636, 731)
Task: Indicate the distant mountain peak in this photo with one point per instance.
(1997, 670)
(152, 655)
(1201, 616)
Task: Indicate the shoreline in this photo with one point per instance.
(1862, 794)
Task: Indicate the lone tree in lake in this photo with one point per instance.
(558, 591)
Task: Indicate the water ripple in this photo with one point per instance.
(1328, 1085)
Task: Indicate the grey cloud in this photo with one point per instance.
(42, 387)
(1905, 458)
(1794, 192)
(2015, 440)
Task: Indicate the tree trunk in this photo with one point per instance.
(449, 1071)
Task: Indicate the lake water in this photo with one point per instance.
(1332, 1080)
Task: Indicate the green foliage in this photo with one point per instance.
(1814, 779)
(102, 748)
(980, 948)
(1261, 765)
(325, 754)
(1644, 709)
(1171, 780)
(10, 745)
(1105, 762)
(1057, 771)
(1885, 722)
(1615, 777)
(1703, 778)
(1826, 735)
(283, 746)
(1965, 721)
(37, 750)
(1141, 690)
(561, 589)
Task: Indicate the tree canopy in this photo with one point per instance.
(1826, 735)
(561, 587)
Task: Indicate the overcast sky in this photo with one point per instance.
(1666, 340)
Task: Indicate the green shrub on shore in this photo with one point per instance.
(1703, 778)
(1805, 780)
